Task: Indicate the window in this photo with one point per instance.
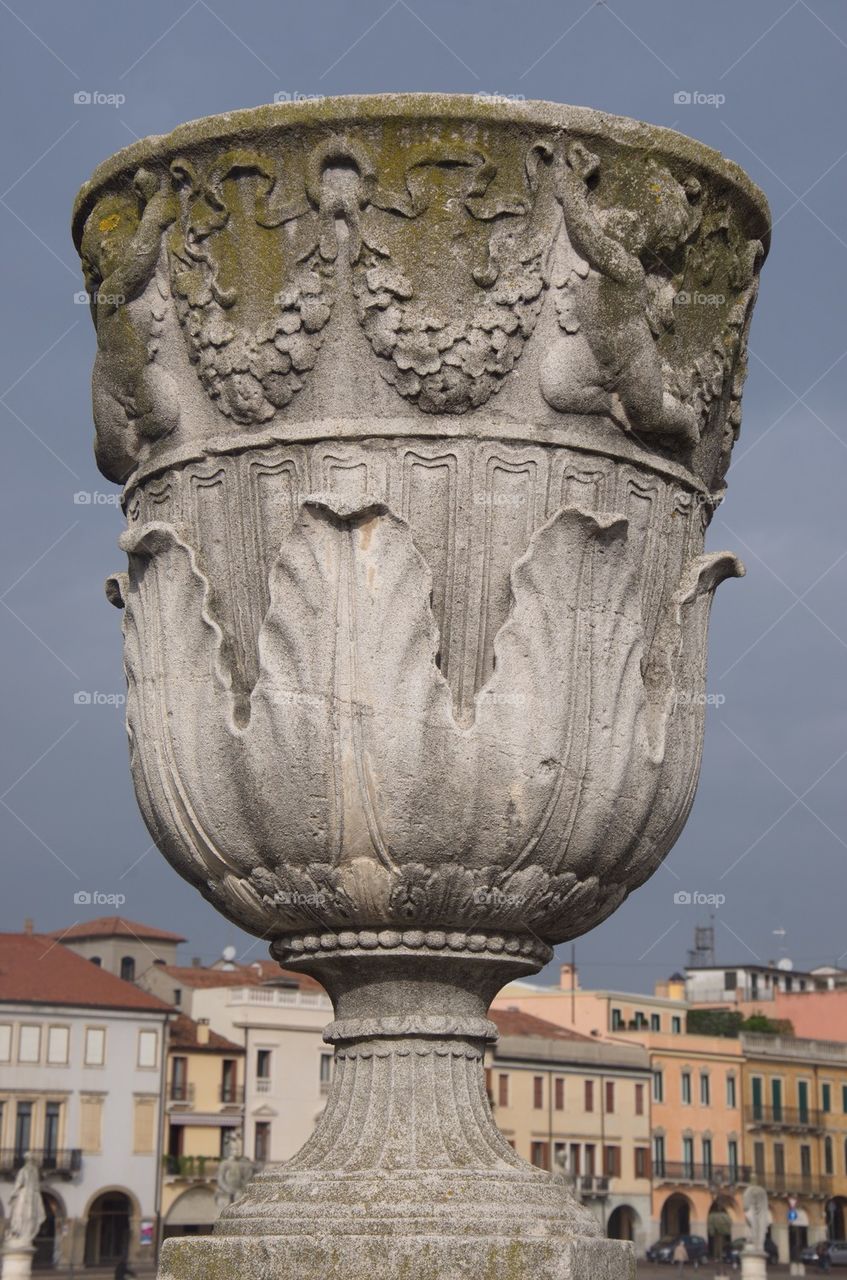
(826, 1097)
(617, 1020)
(659, 1154)
(96, 961)
(537, 1092)
(610, 1096)
(263, 1071)
(756, 1096)
(806, 1159)
(642, 1162)
(590, 1152)
(58, 1039)
(779, 1157)
(706, 1145)
(127, 969)
(575, 1160)
(658, 1087)
(730, 980)
(540, 1155)
(91, 1123)
(589, 1095)
(705, 1091)
(759, 1157)
(732, 1159)
(776, 1098)
(95, 1046)
(828, 1159)
(52, 1117)
(229, 1080)
(5, 1041)
(325, 1072)
(503, 1091)
(29, 1044)
(559, 1094)
(179, 1079)
(639, 1099)
(688, 1157)
(803, 1100)
(676, 1025)
(262, 1142)
(144, 1126)
(843, 1093)
(23, 1128)
(685, 1086)
(655, 1022)
(731, 1092)
(148, 1048)
(177, 996)
(612, 1162)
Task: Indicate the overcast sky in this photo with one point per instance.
(768, 829)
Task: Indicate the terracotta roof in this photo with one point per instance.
(183, 1035)
(35, 969)
(240, 975)
(114, 926)
(512, 1022)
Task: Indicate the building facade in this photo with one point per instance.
(577, 1104)
(81, 1074)
(598, 1012)
(120, 946)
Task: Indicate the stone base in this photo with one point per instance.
(396, 1257)
(754, 1265)
(17, 1262)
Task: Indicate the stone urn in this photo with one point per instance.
(422, 405)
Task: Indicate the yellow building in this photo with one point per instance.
(795, 1121)
(561, 1096)
(204, 1105)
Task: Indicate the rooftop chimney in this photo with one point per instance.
(202, 1030)
(28, 926)
(568, 977)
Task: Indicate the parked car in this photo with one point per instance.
(732, 1252)
(809, 1254)
(834, 1250)
(837, 1251)
(662, 1251)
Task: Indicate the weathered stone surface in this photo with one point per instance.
(422, 405)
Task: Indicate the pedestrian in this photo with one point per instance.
(822, 1251)
(680, 1254)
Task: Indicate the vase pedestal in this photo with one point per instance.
(17, 1262)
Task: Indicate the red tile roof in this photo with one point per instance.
(114, 926)
(183, 1035)
(35, 969)
(513, 1022)
(240, 975)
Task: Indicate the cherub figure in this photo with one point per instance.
(616, 368)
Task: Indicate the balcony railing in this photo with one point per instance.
(280, 998)
(762, 1117)
(192, 1168)
(710, 1175)
(180, 1091)
(592, 1185)
(56, 1164)
(796, 1184)
(231, 1094)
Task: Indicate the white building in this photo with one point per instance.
(278, 1016)
(81, 1063)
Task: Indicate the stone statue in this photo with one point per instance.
(417, 596)
(757, 1213)
(562, 1174)
(26, 1206)
(234, 1173)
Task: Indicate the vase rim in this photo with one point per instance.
(246, 124)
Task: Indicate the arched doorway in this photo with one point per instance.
(676, 1215)
(107, 1232)
(836, 1216)
(46, 1241)
(623, 1223)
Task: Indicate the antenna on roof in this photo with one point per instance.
(703, 954)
